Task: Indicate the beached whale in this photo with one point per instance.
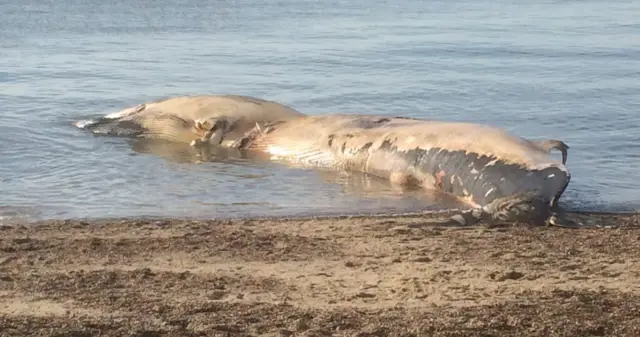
(501, 176)
(189, 119)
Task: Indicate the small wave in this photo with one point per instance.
(10, 215)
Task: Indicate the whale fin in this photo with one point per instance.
(214, 131)
(550, 144)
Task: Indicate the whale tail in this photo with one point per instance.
(550, 144)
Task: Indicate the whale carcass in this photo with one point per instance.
(501, 176)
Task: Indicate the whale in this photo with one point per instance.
(500, 176)
(191, 119)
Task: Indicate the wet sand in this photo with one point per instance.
(359, 276)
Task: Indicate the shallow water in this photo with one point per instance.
(561, 69)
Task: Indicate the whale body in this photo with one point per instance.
(503, 176)
(500, 176)
(187, 119)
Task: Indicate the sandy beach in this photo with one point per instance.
(350, 276)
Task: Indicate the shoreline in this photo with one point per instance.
(350, 275)
(431, 215)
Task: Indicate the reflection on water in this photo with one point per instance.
(184, 153)
(357, 184)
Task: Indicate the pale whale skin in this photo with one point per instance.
(508, 177)
(184, 118)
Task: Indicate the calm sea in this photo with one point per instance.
(561, 69)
